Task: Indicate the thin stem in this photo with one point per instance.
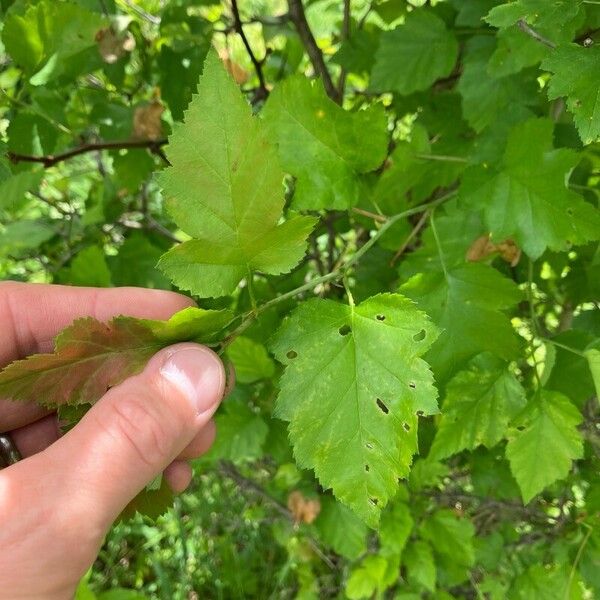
(415, 230)
(336, 274)
(523, 26)
(298, 18)
(263, 92)
(49, 160)
(346, 27)
(371, 215)
(577, 556)
(250, 284)
(438, 244)
(534, 323)
(565, 347)
(442, 158)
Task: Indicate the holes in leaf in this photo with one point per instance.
(380, 317)
(369, 446)
(406, 426)
(384, 409)
(367, 468)
(374, 501)
(420, 413)
(292, 354)
(412, 385)
(419, 337)
(344, 330)
(521, 428)
(570, 212)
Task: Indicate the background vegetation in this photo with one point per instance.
(444, 150)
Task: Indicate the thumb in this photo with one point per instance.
(137, 429)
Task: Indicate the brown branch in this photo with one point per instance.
(410, 237)
(298, 18)
(49, 160)
(523, 26)
(229, 470)
(262, 91)
(346, 31)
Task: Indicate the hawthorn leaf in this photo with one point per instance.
(544, 443)
(14, 188)
(88, 268)
(225, 189)
(593, 358)
(413, 55)
(353, 385)
(49, 39)
(341, 529)
(556, 21)
(325, 147)
(575, 70)
(527, 198)
(485, 95)
(90, 356)
(420, 564)
(242, 432)
(456, 231)
(250, 359)
(466, 303)
(478, 406)
(450, 536)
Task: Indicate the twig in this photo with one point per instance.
(410, 237)
(229, 470)
(523, 26)
(49, 160)
(371, 215)
(337, 274)
(262, 91)
(297, 16)
(346, 25)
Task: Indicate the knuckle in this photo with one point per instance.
(143, 429)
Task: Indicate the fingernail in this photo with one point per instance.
(198, 374)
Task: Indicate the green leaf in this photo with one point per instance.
(323, 146)
(250, 359)
(575, 70)
(484, 95)
(371, 578)
(545, 442)
(450, 536)
(413, 55)
(14, 188)
(19, 237)
(341, 529)
(478, 406)
(90, 357)
(466, 305)
(396, 526)
(550, 582)
(88, 268)
(50, 39)
(593, 358)
(242, 432)
(352, 389)
(135, 264)
(420, 564)
(527, 198)
(225, 189)
(456, 231)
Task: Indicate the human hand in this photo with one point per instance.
(57, 504)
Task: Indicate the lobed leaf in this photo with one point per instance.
(352, 390)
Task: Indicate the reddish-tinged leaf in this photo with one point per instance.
(90, 357)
